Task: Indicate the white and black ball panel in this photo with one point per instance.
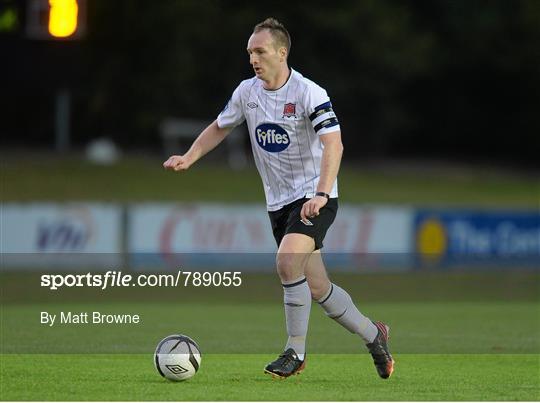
(177, 357)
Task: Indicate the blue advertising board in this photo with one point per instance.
(469, 239)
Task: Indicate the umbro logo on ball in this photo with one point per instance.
(176, 369)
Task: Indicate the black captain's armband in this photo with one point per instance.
(323, 116)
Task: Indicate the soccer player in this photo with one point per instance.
(296, 141)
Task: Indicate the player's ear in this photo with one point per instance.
(282, 53)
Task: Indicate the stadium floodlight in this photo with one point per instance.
(63, 17)
(56, 19)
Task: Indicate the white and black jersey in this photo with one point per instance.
(284, 128)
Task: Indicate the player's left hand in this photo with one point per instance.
(311, 208)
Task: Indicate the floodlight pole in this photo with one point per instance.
(62, 119)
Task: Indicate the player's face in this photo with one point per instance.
(263, 55)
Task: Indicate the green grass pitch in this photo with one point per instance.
(477, 340)
(239, 377)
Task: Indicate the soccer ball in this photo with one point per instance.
(177, 357)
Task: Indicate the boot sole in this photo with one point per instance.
(278, 376)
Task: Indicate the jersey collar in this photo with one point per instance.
(291, 71)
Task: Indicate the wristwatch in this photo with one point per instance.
(322, 194)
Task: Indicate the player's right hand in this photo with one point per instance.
(177, 163)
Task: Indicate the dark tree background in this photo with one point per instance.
(423, 78)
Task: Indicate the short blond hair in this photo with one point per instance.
(279, 33)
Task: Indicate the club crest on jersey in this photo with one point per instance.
(289, 110)
(271, 137)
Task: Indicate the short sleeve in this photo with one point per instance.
(233, 114)
(319, 110)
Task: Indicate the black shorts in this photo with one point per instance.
(286, 220)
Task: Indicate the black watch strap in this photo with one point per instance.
(322, 194)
